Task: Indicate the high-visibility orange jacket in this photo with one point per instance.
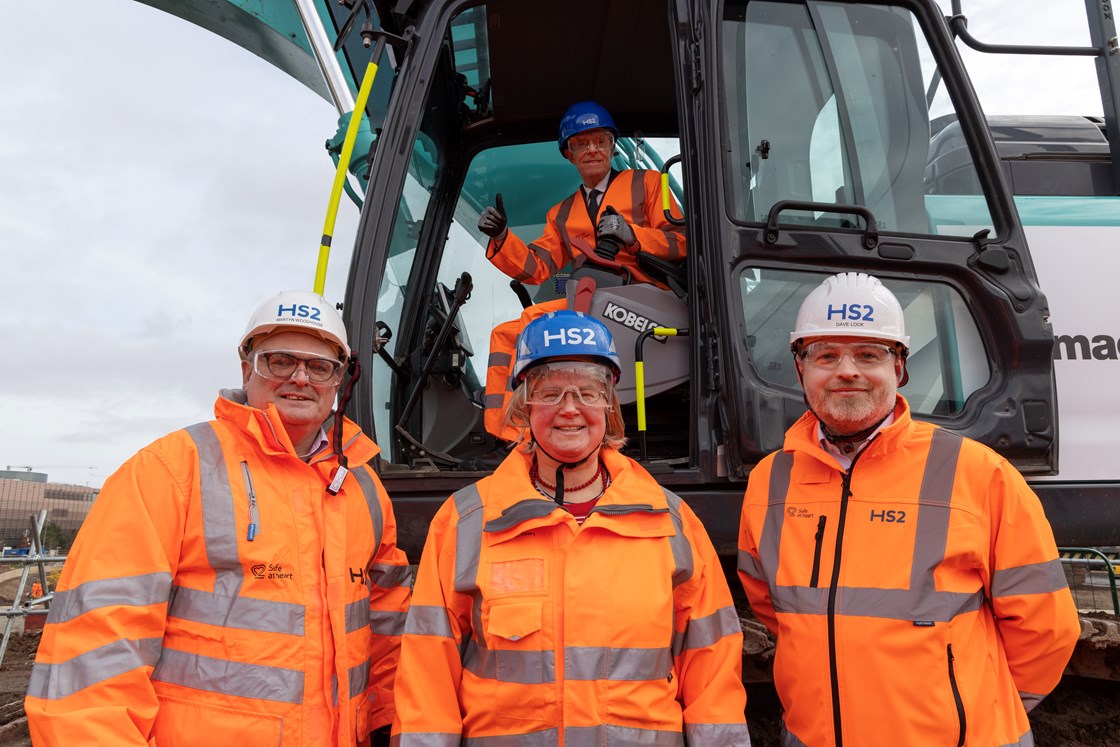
(569, 232)
(917, 598)
(174, 623)
(528, 629)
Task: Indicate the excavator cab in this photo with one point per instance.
(806, 136)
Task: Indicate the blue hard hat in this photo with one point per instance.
(564, 335)
(582, 116)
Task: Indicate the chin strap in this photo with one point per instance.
(847, 442)
(353, 373)
(560, 470)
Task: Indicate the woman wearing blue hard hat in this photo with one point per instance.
(569, 598)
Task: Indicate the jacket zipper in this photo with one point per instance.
(254, 514)
(956, 694)
(817, 553)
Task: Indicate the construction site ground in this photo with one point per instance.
(1081, 712)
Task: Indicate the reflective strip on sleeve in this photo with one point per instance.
(594, 736)
(546, 738)
(1035, 578)
(703, 632)
(502, 359)
(242, 613)
(682, 548)
(495, 401)
(750, 565)
(62, 679)
(429, 739)
(530, 508)
(718, 735)
(229, 677)
(373, 503)
(386, 576)
(1030, 700)
(127, 591)
(629, 664)
(387, 623)
(428, 620)
(357, 614)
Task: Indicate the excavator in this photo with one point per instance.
(800, 138)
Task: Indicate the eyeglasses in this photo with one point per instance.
(281, 365)
(550, 395)
(580, 143)
(828, 355)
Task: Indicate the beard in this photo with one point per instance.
(851, 414)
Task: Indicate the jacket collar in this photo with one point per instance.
(512, 504)
(264, 428)
(802, 435)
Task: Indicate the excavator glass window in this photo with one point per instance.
(848, 120)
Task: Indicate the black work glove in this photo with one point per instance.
(493, 221)
(613, 225)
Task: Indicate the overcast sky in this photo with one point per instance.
(158, 182)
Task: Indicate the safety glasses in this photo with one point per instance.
(828, 355)
(281, 365)
(598, 140)
(589, 383)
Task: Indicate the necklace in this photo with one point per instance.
(535, 476)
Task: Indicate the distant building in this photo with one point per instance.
(26, 493)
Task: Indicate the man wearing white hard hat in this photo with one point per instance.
(239, 577)
(909, 574)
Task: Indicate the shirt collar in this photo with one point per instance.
(845, 459)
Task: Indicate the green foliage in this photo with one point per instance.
(55, 536)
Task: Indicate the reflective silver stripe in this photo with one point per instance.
(789, 739)
(386, 576)
(1027, 740)
(218, 520)
(562, 216)
(682, 548)
(427, 739)
(495, 401)
(888, 604)
(522, 667)
(369, 489)
(60, 680)
(638, 198)
(130, 591)
(705, 631)
(601, 663)
(769, 543)
(243, 613)
(468, 538)
(358, 677)
(1030, 700)
(387, 623)
(544, 257)
(229, 677)
(749, 565)
(718, 735)
(1035, 578)
(499, 359)
(428, 620)
(934, 497)
(530, 508)
(357, 615)
(595, 736)
(546, 738)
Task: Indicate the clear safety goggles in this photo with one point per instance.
(591, 384)
(583, 141)
(281, 365)
(827, 355)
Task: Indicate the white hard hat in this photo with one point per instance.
(297, 311)
(851, 304)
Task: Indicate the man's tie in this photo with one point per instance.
(593, 202)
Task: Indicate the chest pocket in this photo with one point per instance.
(513, 622)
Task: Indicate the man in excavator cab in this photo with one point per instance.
(605, 223)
